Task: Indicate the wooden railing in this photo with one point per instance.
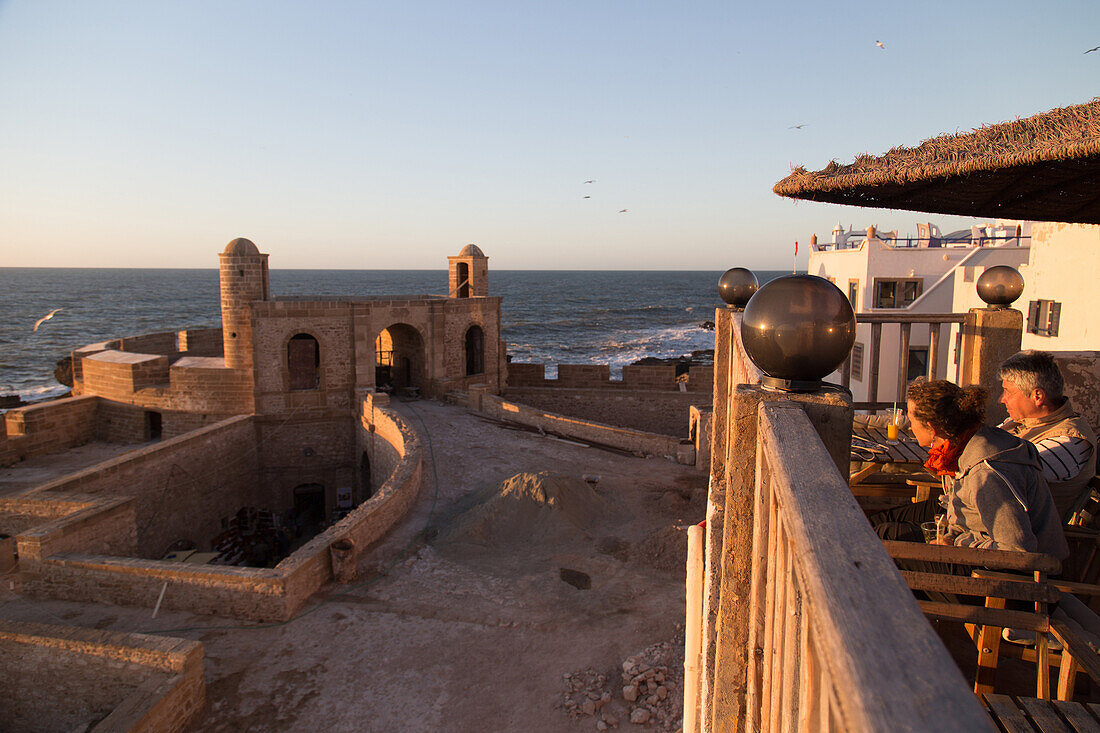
(836, 641)
(935, 323)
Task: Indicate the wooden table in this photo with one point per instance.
(905, 451)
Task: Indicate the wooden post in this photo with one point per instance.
(903, 361)
(831, 414)
(933, 350)
(693, 628)
(876, 349)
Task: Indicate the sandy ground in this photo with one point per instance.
(448, 639)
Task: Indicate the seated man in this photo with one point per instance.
(1039, 413)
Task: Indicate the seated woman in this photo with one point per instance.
(995, 495)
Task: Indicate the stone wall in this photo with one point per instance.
(68, 678)
(58, 568)
(698, 378)
(636, 441)
(46, 428)
(664, 413)
(71, 523)
(184, 485)
(313, 450)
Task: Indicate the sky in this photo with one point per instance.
(369, 135)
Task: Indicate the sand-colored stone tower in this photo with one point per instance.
(243, 280)
(469, 273)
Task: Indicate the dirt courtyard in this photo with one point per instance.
(434, 636)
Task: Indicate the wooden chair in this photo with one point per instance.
(985, 622)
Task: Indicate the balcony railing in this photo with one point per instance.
(935, 323)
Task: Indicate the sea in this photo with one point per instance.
(553, 317)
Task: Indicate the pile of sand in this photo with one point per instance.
(529, 508)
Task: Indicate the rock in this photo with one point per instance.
(651, 700)
(600, 725)
(640, 716)
(589, 708)
(662, 692)
(630, 693)
(610, 719)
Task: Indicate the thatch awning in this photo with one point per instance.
(1043, 168)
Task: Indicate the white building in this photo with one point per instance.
(931, 273)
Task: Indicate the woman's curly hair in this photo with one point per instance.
(950, 409)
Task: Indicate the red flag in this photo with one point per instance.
(796, 248)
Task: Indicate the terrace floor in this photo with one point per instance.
(454, 639)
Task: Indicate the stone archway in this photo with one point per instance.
(400, 361)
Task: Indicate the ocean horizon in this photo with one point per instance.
(612, 317)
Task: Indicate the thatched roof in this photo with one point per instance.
(1043, 168)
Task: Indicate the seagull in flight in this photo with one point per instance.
(592, 181)
(622, 211)
(1093, 49)
(880, 45)
(45, 318)
(797, 127)
(587, 197)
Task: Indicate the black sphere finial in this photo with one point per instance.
(1000, 286)
(798, 329)
(736, 286)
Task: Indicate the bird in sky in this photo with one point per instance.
(881, 45)
(622, 211)
(1097, 48)
(797, 127)
(592, 181)
(45, 318)
(587, 197)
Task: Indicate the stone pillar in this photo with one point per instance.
(831, 414)
(990, 335)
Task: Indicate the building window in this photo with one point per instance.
(853, 294)
(918, 364)
(303, 359)
(857, 362)
(475, 351)
(897, 293)
(1043, 317)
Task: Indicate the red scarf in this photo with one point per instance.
(943, 459)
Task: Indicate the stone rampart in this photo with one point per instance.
(699, 378)
(49, 427)
(636, 441)
(651, 411)
(56, 563)
(69, 678)
(183, 485)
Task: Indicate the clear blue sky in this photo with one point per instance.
(388, 135)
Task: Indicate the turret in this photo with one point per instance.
(469, 273)
(243, 280)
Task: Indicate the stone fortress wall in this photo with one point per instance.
(648, 398)
(66, 678)
(100, 545)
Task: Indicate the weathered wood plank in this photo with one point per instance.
(1011, 718)
(903, 360)
(1077, 716)
(1043, 715)
(876, 349)
(1026, 620)
(761, 554)
(1020, 590)
(844, 567)
(993, 559)
(910, 317)
(933, 350)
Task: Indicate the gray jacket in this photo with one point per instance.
(999, 499)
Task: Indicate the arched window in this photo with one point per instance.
(303, 360)
(475, 351)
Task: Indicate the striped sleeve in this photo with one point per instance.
(1062, 457)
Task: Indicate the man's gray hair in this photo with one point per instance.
(1030, 370)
